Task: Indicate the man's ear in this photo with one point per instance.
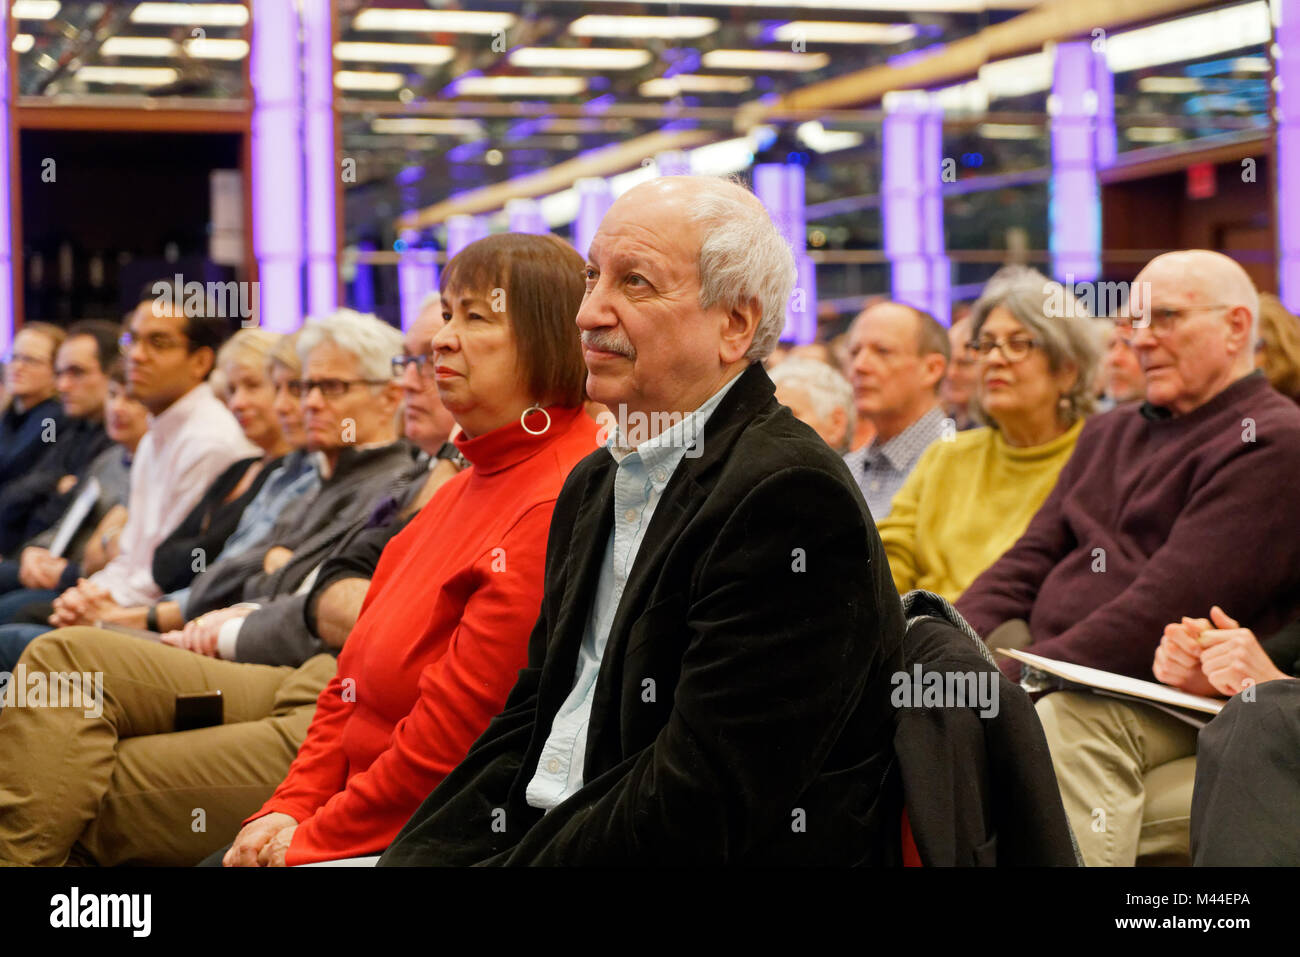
(936, 367)
(1239, 326)
(739, 328)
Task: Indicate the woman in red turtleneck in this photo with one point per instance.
(445, 624)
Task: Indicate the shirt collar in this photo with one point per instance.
(903, 449)
(173, 418)
(660, 455)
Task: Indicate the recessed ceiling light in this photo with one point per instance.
(394, 52)
(582, 58)
(191, 14)
(138, 46)
(23, 42)
(828, 31)
(658, 28)
(433, 21)
(128, 75)
(34, 9)
(361, 80)
(1011, 131)
(1154, 134)
(1190, 38)
(416, 125)
(520, 86)
(902, 6)
(213, 48)
(763, 60)
(695, 83)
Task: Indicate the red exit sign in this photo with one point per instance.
(1200, 181)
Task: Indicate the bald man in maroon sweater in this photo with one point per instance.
(1186, 501)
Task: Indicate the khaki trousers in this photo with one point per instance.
(122, 787)
(1126, 772)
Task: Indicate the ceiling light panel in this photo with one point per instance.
(586, 58)
(520, 86)
(393, 52)
(655, 28)
(361, 80)
(826, 31)
(433, 21)
(191, 14)
(763, 60)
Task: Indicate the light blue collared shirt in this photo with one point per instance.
(638, 485)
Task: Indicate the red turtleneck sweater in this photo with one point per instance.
(439, 643)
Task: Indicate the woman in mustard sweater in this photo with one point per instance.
(973, 493)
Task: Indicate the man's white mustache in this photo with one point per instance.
(608, 342)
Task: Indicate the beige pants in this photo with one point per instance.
(122, 787)
(1126, 773)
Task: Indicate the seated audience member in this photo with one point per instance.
(972, 493)
(250, 396)
(819, 397)
(149, 789)
(279, 627)
(32, 416)
(292, 477)
(202, 533)
(192, 439)
(1122, 379)
(1136, 763)
(688, 685)
(1278, 349)
(351, 405)
(1165, 503)
(899, 355)
(74, 546)
(961, 382)
(32, 503)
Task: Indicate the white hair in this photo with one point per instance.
(826, 389)
(743, 257)
(372, 341)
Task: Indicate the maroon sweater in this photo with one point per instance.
(1188, 513)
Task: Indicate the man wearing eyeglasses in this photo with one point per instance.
(1166, 508)
(192, 438)
(36, 501)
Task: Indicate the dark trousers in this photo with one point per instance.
(1248, 781)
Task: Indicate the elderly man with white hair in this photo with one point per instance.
(818, 396)
(708, 679)
(1165, 508)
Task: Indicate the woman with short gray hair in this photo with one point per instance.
(973, 493)
(819, 397)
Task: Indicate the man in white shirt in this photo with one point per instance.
(192, 439)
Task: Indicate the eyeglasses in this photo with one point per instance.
(153, 343)
(423, 365)
(1014, 348)
(1159, 320)
(329, 388)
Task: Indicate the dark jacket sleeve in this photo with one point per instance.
(357, 558)
(203, 532)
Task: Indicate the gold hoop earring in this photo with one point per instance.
(527, 412)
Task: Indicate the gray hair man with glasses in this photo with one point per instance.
(1165, 508)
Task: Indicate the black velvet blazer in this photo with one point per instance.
(741, 715)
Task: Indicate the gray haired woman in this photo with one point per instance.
(973, 493)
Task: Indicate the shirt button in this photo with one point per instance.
(630, 515)
(875, 486)
(658, 475)
(553, 765)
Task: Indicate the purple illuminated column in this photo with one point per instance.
(276, 154)
(417, 276)
(904, 173)
(933, 243)
(594, 200)
(463, 230)
(525, 216)
(319, 157)
(6, 212)
(1074, 208)
(780, 187)
(1287, 175)
(1103, 85)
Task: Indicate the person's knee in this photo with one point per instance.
(61, 649)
